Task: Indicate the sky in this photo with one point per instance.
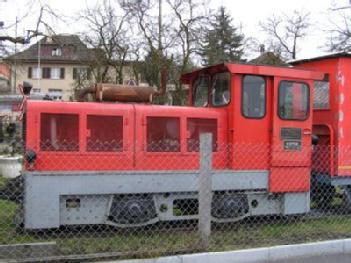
(246, 13)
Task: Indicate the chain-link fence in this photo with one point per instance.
(114, 200)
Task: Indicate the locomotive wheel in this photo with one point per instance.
(226, 206)
(132, 210)
(322, 195)
(322, 192)
(347, 197)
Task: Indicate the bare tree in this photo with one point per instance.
(190, 19)
(340, 32)
(146, 19)
(169, 33)
(286, 31)
(45, 15)
(106, 33)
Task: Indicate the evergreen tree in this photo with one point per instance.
(221, 42)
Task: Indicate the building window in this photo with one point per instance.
(46, 73)
(30, 72)
(81, 73)
(55, 94)
(293, 100)
(56, 52)
(253, 97)
(55, 73)
(36, 90)
(36, 73)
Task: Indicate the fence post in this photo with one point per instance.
(205, 188)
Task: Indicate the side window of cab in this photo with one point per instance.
(200, 91)
(221, 89)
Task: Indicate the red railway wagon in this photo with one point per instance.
(331, 124)
(132, 164)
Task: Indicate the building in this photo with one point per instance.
(268, 58)
(4, 77)
(56, 65)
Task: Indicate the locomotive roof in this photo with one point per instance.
(281, 71)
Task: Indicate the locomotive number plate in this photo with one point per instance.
(292, 145)
(290, 133)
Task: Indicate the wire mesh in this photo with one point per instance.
(60, 199)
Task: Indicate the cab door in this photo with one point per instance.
(291, 135)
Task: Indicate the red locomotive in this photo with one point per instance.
(131, 164)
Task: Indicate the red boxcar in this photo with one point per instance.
(331, 123)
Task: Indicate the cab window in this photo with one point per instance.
(253, 97)
(293, 100)
(221, 89)
(200, 91)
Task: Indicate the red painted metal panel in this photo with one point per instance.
(250, 136)
(182, 159)
(338, 117)
(135, 154)
(81, 159)
(290, 168)
(289, 179)
(281, 156)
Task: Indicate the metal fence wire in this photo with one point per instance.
(113, 200)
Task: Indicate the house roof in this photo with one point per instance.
(268, 58)
(73, 51)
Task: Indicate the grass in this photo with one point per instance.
(3, 181)
(163, 239)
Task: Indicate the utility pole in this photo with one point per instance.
(37, 33)
(39, 71)
(1, 22)
(160, 26)
(15, 73)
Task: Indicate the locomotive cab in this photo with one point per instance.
(135, 164)
(269, 115)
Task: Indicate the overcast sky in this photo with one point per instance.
(248, 13)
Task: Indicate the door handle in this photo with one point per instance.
(306, 132)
